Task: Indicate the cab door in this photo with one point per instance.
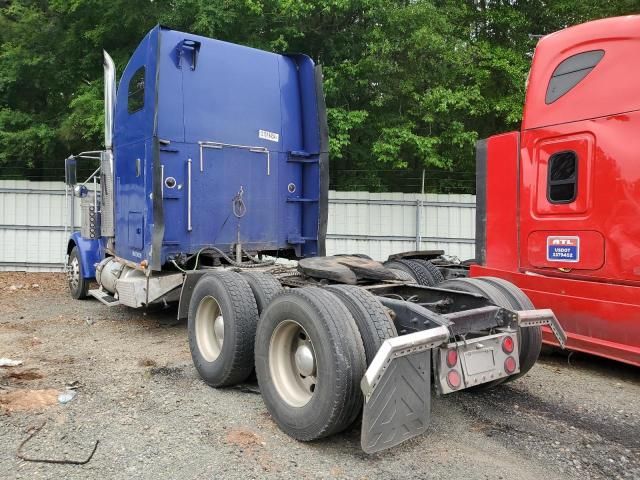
(133, 153)
(557, 202)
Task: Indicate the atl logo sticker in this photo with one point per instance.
(563, 249)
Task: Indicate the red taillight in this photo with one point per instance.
(510, 365)
(508, 344)
(452, 357)
(453, 379)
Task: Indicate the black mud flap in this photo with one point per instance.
(399, 406)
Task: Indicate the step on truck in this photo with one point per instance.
(212, 193)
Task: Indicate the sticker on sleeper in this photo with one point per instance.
(267, 135)
(563, 249)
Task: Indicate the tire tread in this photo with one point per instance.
(415, 269)
(374, 325)
(267, 284)
(245, 319)
(435, 272)
(83, 286)
(343, 337)
(530, 337)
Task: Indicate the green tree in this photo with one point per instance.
(410, 84)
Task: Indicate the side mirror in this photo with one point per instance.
(70, 171)
(80, 191)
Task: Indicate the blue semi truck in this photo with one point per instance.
(215, 168)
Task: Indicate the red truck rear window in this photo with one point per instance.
(570, 72)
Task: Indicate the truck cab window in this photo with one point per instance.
(136, 91)
(570, 72)
(562, 177)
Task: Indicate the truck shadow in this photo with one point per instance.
(590, 364)
(163, 316)
(496, 408)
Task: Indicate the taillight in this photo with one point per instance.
(510, 365)
(508, 344)
(452, 357)
(453, 379)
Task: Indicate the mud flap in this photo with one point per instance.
(399, 407)
(397, 389)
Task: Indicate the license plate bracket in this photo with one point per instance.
(479, 360)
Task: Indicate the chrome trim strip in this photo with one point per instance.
(219, 145)
(399, 347)
(543, 316)
(189, 195)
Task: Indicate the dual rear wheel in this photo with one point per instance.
(309, 346)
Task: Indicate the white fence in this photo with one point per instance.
(33, 215)
(380, 224)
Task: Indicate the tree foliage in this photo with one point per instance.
(410, 84)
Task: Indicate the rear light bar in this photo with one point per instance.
(454, 380)
(452, 357)
(478, 360)
(508, 344)
(510, 365)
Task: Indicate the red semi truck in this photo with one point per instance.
(559, 201)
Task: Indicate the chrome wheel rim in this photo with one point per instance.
(292, 363)
(73, 273)
(209, 328)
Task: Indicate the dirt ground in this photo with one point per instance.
(140, 397)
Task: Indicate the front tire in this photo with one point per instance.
(309, 363)
(221, 325)
(78, 284)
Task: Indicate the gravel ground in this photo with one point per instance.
(138, 394)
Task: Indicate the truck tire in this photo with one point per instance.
(530, 338)
(517, 297)
(473, 285)
(403, 276)
(435, 272)
(222, 323)
(309, 363)
(415, 269)
(78, 285)
(505, 298)
(264, 287)
(374, 325)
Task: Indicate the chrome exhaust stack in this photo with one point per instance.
(106, 158)
(109, 99)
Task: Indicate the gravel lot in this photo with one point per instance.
(138, 394)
